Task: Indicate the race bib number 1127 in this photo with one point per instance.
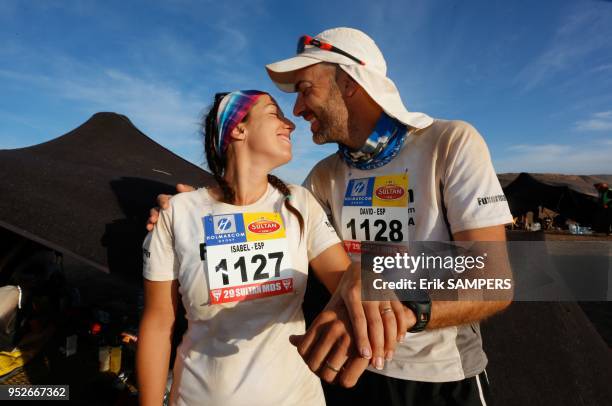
(247, 256)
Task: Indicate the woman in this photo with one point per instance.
(238, 254)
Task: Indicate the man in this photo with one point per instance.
(605, 206)
(452, 192)
(449, 190)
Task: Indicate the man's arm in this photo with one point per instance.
(454, 313)
(443, 314)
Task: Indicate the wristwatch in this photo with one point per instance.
(422, 311)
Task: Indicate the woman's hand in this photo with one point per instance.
(328, 347)
(350, 334)
(377, 325)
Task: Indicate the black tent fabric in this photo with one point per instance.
(571, 198)
(88, 192)
(578, 183)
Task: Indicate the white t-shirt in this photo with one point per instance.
(445, 166)
(243, 300)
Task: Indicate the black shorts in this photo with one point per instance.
(376, 389)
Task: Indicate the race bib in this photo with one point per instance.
(375, 209)
(247, 256)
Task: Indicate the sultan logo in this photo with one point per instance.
(390, 192)
(264, 226)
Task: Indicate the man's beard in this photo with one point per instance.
(333, 120)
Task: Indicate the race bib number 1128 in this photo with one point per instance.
(375, 209)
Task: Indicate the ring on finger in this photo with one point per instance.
(386, 310)
(330, 366)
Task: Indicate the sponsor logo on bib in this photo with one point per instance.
(263, 226)
(360, 188)
(216, 294)
(224, 224)
(389, 192)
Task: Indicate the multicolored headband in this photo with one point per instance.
(233, 108)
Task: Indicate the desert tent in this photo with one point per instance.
(88, 192)
(572, 196)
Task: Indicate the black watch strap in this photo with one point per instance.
(422, 311)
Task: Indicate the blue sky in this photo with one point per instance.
(535, 78)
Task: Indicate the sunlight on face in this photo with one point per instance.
(268, 133)
(319, 101)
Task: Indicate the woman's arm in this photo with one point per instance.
(376, 326)
(330, 265)
(155, 339)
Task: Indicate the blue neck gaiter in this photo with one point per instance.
(381, 146)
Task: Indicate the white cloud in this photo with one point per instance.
(233, 36)
(160, 110)
(164, 108)
(543, 148)
(6, 116)
(585, 158)
(585, 30)
(601, 121)
(602, 68)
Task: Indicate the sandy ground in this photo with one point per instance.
(598, 313)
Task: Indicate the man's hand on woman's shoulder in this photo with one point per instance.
(162, 203)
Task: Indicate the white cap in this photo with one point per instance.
(372, 76)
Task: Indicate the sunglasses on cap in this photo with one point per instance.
(308, 40)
